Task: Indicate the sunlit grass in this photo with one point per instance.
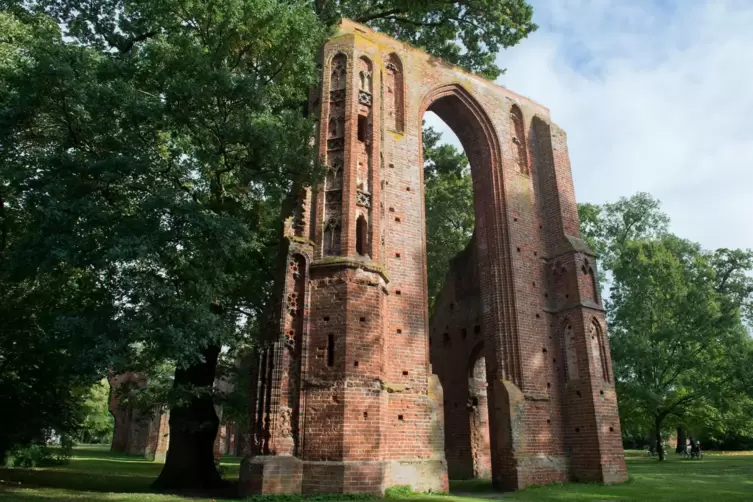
(95, 474)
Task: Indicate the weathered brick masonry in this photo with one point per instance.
(345, 399)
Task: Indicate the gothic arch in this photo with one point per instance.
(467, 118)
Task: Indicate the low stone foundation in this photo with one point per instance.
(266, 475)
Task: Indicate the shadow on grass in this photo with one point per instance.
(96, 469)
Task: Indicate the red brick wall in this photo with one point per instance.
(360, 357)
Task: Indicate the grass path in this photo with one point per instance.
(95, 474)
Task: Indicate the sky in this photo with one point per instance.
(655, 96)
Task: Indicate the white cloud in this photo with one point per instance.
(654, 97)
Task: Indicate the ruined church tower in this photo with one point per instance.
(343, 396)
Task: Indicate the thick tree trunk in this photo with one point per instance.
(657, 433)
(682, 440)
(193, 426)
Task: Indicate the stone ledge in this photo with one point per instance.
(349, 262)
(573, 245)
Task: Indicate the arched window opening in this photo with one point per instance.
(362, 235)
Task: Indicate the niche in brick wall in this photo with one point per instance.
(590, 285)
(393, 93)
(596, 339)
(571, 354)
(518, 140)
(362, 236)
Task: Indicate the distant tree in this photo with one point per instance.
(678, 344)
(98, 423)
(448, 196)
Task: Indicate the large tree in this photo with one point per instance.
(148, 159)
(677, 339)
(469, 33)
(147, 151)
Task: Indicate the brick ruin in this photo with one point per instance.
(147, 434)
(355, 390)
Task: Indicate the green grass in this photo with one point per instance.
(96, 474)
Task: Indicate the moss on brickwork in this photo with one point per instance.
(300, 240)
(394, 387)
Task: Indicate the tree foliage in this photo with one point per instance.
(145, 162)
(97, 426)
(448, 196)
(147, 150)
(468, 33)
(676, 313)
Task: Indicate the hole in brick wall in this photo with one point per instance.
(386, 182)
(400, 417)
(392, 166)
(534, 284)
(567, 296)
(514, 219)
(546, 295)
(397, 220)
(543, 350)
(326, 318)
(355, 363)
(477, 329)
(549, 420)
(577, 393)
(535, 253)
(601, 392)
(398, 292)
(541, 226)
(405, 373)
(538, 316)
(548, 385)
(362, 235)
(392, 210)
(554, 360)
(363, 319)
(365, 414)
(611, 429)
(330, 349)
(407, 189)
(397, 255)
(362, 123)
(577, 429)
(399, 331)
(518, 250)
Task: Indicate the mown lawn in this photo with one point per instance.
(96, 474)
